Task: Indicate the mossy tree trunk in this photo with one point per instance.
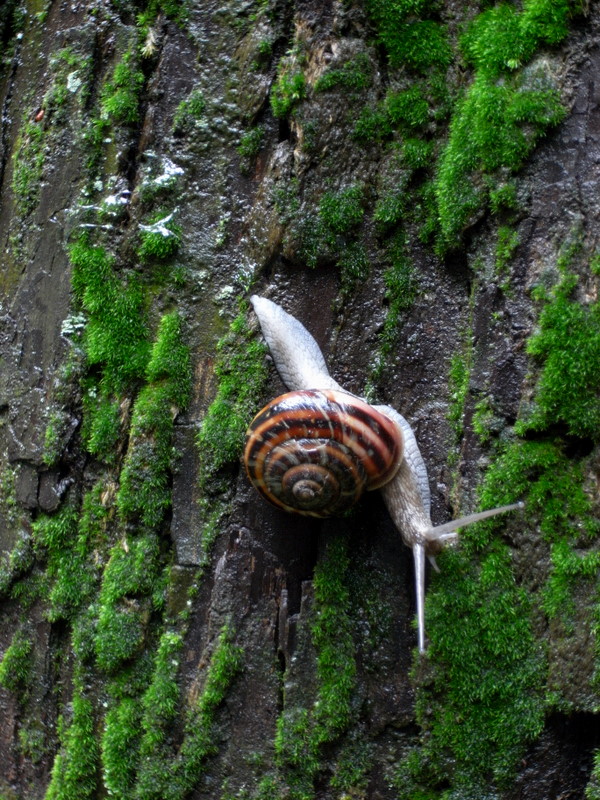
(415, 181)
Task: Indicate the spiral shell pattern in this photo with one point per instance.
(315, 452)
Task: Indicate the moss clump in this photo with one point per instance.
(354, 267)
(75, 770)
(302, 734)
(485, 672)
(242, 374)
(504, 111)
(567, 345)
(552, 485)
(120, 101)
(507, 243)
(338, 217)
(132, 586)
(16, 664)
(354, 74)
(16, 563)
(160, 239)
(145, 491)
(401, 291)
(120, 745)
(116, 335)
(160, 706)
(189, 112)
(199, 743)
(70, 576)
(103, 428)
(28, 165)
(287, 92)
(422, 44)
(496, 126)
(249, 146)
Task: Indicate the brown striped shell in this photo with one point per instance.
(315, 452)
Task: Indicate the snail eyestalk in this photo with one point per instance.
(445, 532)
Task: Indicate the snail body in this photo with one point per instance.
(317, 425)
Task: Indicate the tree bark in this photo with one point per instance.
(417, 184)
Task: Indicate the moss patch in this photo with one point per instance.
(241, 372)
(303, 733)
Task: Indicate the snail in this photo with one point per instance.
(315, 449)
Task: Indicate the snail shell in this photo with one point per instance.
(315, 452)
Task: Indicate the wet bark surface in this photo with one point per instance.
(228, 561)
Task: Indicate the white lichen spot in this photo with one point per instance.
(160, 226)
(73, 325)
(74, 82)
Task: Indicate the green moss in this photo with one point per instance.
(502, 39)
(568, 570)
(483, 420)
(302, 734)
(75, 770)
(496, 126)
(16, 664)
(408, 109)
(421, 44)
(116, 334)
(332, 638)
(103, 427)
(351, 771)
(160, 239)
(145, 492)
(592, 790)
(17, 563)
(356, 74)
(485, 672)
(242, 373)
(251, 142)
(372, 125)
(170, 360)
(354, 267)
(189, 112)
(567, 345)
(401, 291)
(338, 217)
(9, 504)
(32, 740)
(504, 111)
(249, 146)
(120, 101)
(287, 92)
(160, 706)
(504, 196)
(28, 165)
(417, 153)
(506, 244)
(120, 745)
(199, 742)
(132, 586)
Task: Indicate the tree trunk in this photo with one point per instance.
(416, 182)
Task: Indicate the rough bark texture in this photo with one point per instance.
(418, 184)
